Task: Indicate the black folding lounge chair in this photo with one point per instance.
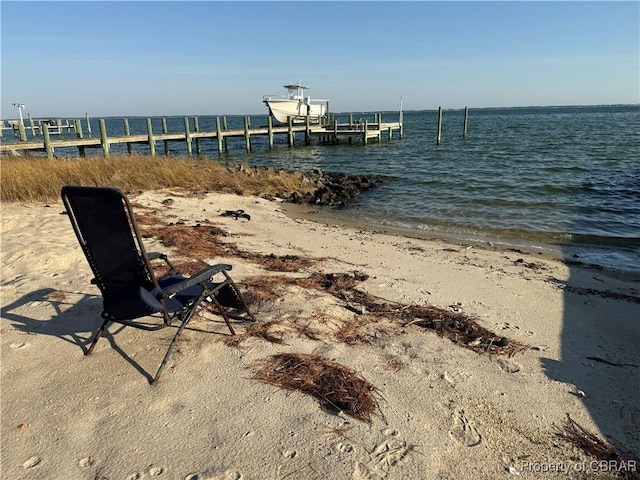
(106, 228)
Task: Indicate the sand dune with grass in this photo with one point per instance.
(374, 356)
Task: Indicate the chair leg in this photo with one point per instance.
(240, 296)
(97, 337)
(188, 317)
(224, 314)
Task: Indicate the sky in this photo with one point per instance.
(162, 58)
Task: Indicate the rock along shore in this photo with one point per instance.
(322, 188)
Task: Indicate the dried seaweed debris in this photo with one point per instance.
(335, 386)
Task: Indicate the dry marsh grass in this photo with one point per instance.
(28, 178)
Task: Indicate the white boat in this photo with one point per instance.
(295, 105)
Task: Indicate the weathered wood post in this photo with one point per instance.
(32, 124)
(224, 137)
(22, 134)
(196, 128)
(152, 140)
(88, 124)
(47, 143)
(466, 117)
(219, 135)
(364, 132)
(327, 112)
(247, 135)
(165, 130)
(351, 121)
(270, 131)
(187, 136)
(290, 133)
(307, 131)
(104, 140)
(127, 132)
(439, 137)
(78, 127)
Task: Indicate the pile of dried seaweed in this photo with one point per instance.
(460, 328)
(202, 240)
(335, 386)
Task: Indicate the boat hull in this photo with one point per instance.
(281, 109)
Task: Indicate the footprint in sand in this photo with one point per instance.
(32, 462)
(343, 447)
(463, 432)
(87, 462)
(17, 345)
(509, 366)
(449, 378)
(384, 456)
(155, 471)
(289, 453)
(228, 475)
(363, 472)
(389, 453)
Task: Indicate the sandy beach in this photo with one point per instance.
(444, 411)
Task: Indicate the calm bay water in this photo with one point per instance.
(567, 177)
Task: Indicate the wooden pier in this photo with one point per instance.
(331, 131)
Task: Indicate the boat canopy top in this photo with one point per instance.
(295, 86)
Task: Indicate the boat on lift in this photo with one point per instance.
(297, 105)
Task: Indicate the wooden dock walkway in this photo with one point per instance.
(330, 132)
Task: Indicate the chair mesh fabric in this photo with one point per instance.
(112, 252)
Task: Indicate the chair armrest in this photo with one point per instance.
(199, 277)
(162, 256)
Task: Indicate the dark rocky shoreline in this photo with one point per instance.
(332, 189)
(323, 188)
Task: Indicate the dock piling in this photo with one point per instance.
(224, 138)
(196, 128)
(439, 137)
(290, 131)
(80, 135)
(33, 126)
(466, 117)
(165, 130)
(127, 132)
(103, 137)
(47, 143)
(219, 135)
(270, 131)
(152, 140)
(187, 136)
(247, 135)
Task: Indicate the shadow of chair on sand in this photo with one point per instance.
(74, 321)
